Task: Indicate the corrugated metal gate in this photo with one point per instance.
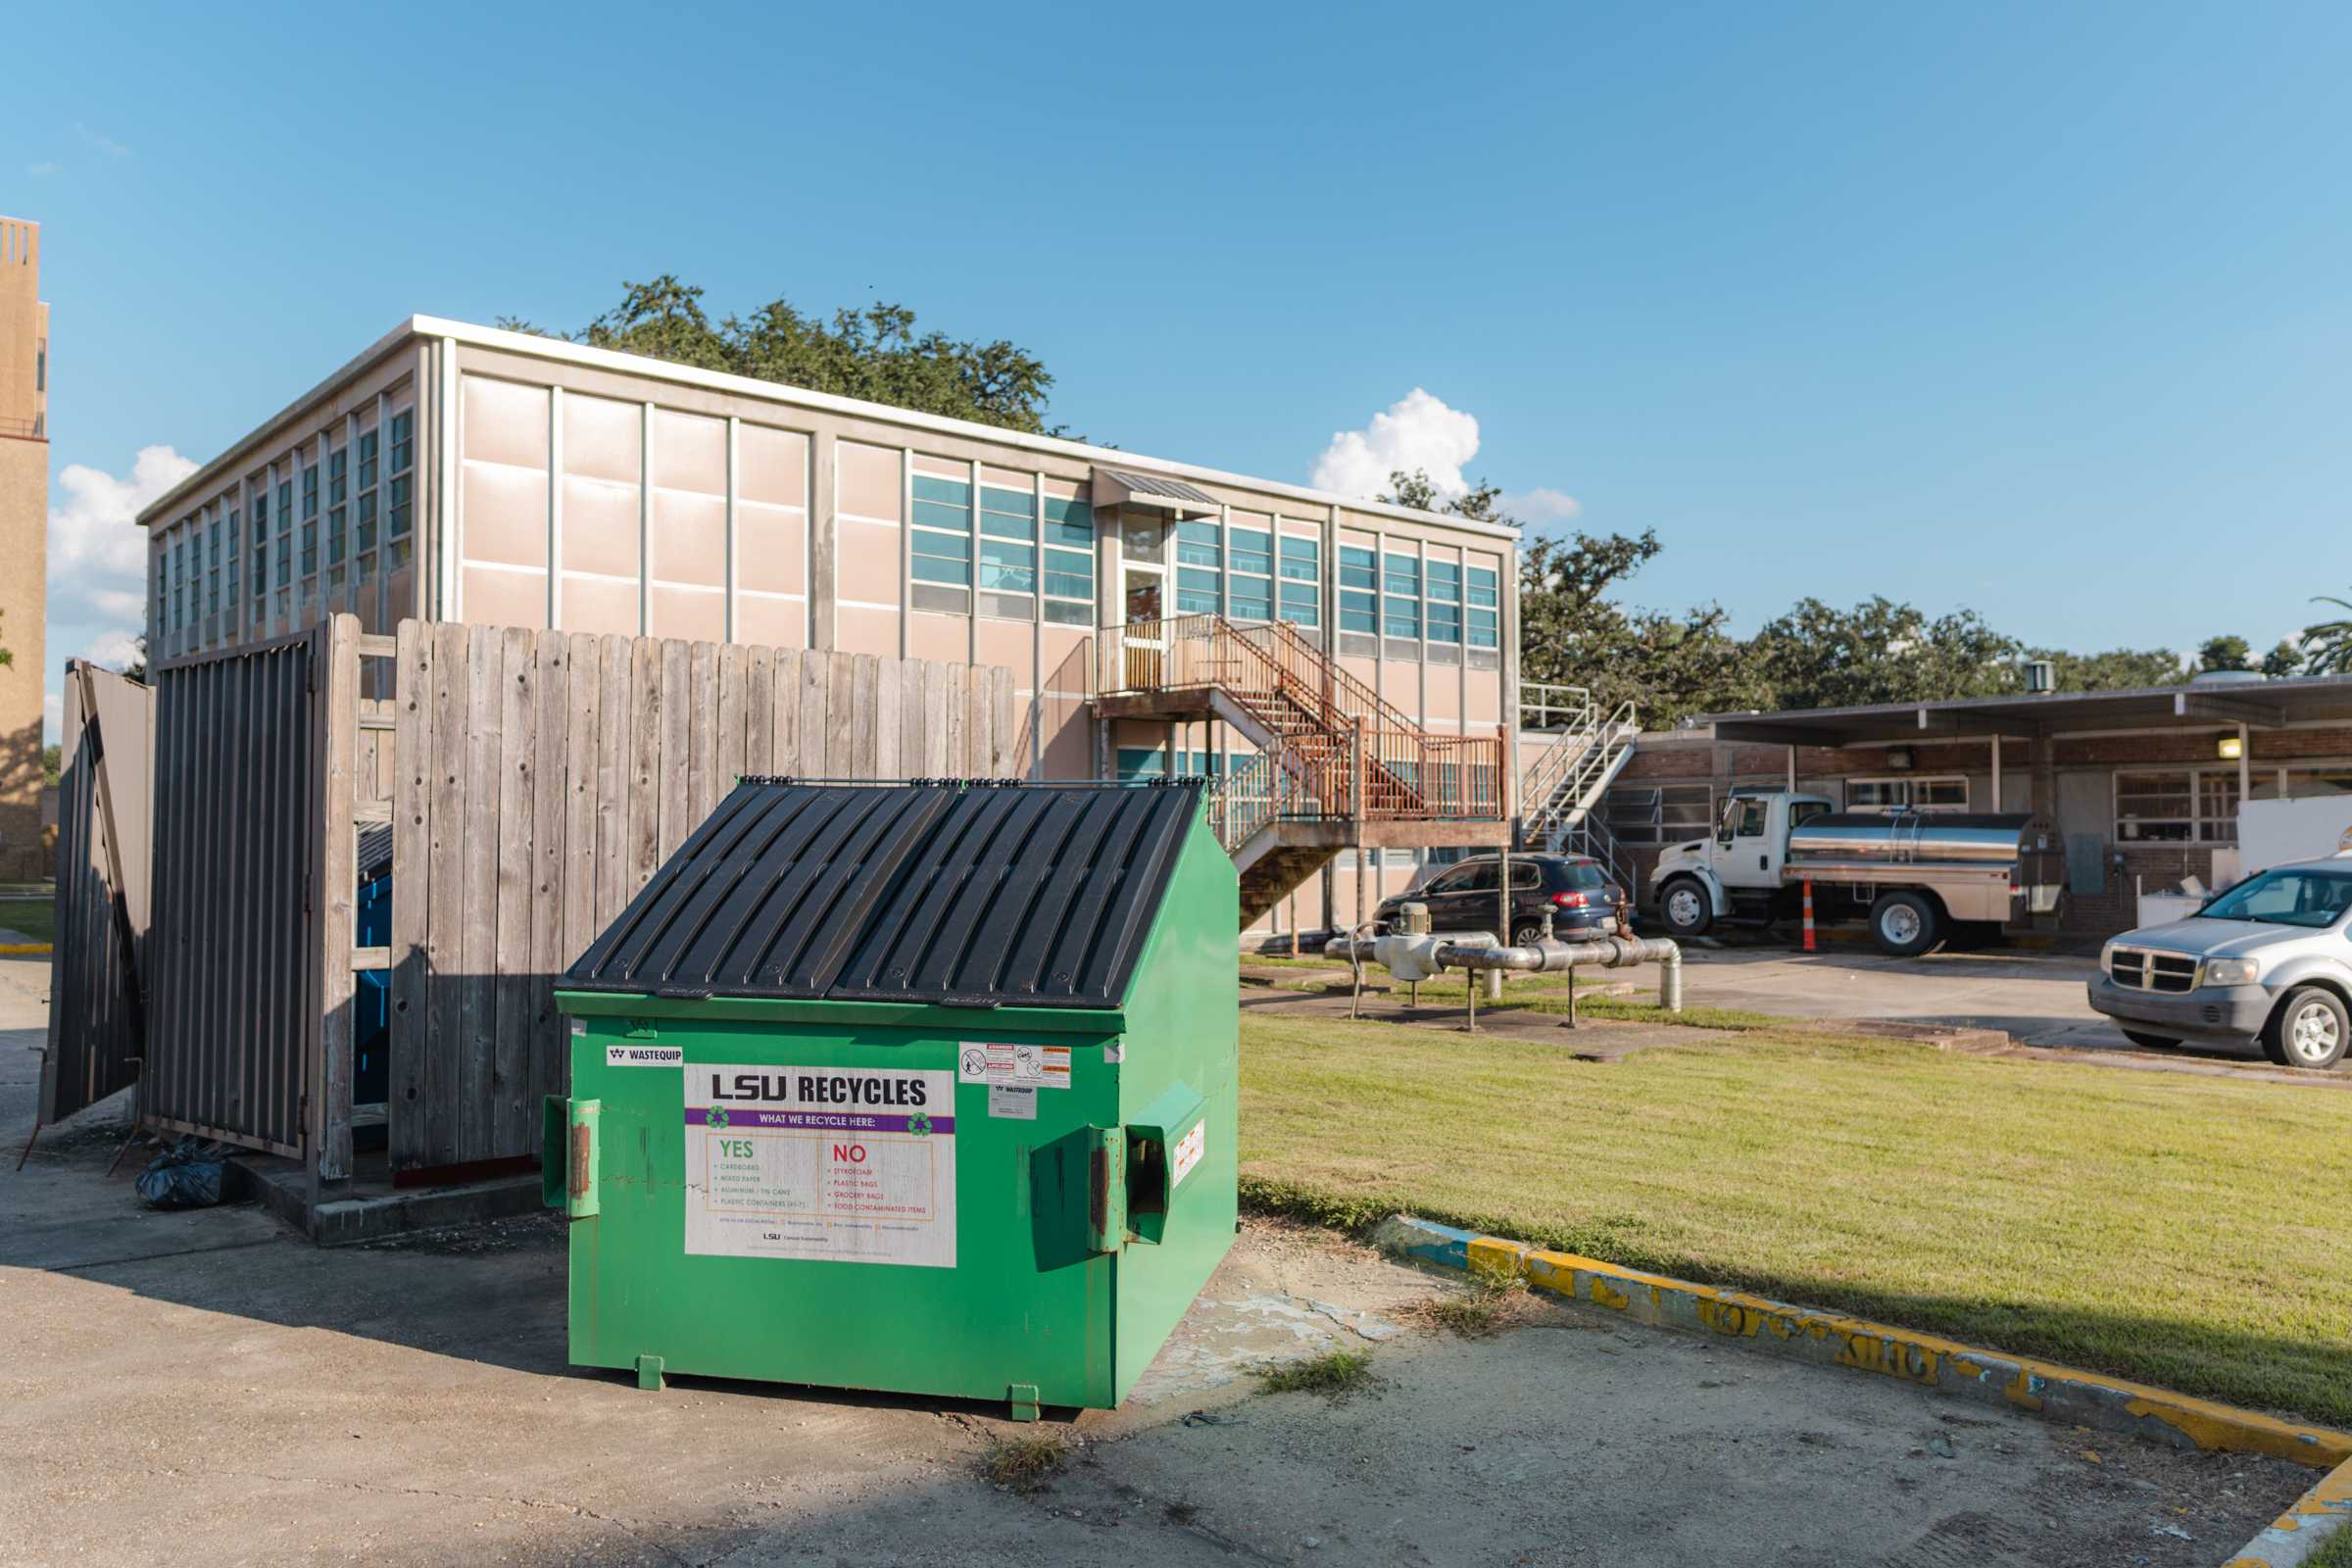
(239, 792)
(96, 1023)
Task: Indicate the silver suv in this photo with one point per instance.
(2269, 960)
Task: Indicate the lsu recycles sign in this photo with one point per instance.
(847, 1165)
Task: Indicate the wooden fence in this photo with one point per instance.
(96, 995)
(539, 778)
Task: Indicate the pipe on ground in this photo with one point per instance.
(1545, 957)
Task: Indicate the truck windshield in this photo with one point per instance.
(2286, 896)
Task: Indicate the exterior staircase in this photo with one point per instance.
(1562, 788)
(1336, 765)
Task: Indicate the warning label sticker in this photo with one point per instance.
(644, 1055)
(852, 1165)
(1188, 1150)
(984, 1061)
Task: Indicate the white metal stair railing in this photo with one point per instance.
(1564, 784)
(1591, 836)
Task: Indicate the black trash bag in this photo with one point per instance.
(190, 1174)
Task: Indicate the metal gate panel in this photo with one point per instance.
(238, 794)
(96, 965)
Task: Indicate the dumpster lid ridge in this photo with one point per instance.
(981, 894)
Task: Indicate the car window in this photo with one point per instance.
(1583, 875)
(1750, 822)
(2286, 896)
(1803, 811)
(1449, 881)
(1527, 876)
(1477, 877)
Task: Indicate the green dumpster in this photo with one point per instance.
(925, 1087)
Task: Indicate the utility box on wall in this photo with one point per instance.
(929, 1088)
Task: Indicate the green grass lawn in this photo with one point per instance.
(2181, 1230)
(35, 917)
(2335, 1551)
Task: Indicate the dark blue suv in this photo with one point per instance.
(1575, 889)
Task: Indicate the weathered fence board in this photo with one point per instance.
(541, 778)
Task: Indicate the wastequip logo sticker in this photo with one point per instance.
(848, 1164)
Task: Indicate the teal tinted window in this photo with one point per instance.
(1197, 591)
(1481, 586)
(1197, 545)
(1300, 603)
(1301, 559)
(1357, 569)
(1446, 581)
(1483, 631)
(1356, 611)
(1445, 621)
(950, 492)
(1253, 599)
(1401, 575)
(1252, 552)
(1069, 523)
(1007, 567)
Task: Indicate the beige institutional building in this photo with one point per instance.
(1147, 608)
(23, 543)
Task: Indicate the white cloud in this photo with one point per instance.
(1421, 432)
(1541, 505)
(98, 561)
(1417, 431)
(44, 168)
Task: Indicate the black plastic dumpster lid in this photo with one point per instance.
(975, 895)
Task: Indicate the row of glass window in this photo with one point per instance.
(177, 591)
(1247, 574)
(1015, 560)
(1388, 594)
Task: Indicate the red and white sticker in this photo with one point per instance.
(1188, 1150)
(989, 1061)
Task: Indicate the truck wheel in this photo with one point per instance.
(2151, 1042)
(2309, 1029)
(1906, 924)
(1688, 910)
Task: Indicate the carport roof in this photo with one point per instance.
(2262, 705)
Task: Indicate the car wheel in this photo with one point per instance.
(2309, 1029)
(2151, 1042)
(1527, 933)
(1687, 909)
(1906, 925)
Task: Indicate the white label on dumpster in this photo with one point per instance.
(1188, 1150)
(847, 1165)
(1017, 1104)
(644, 1055)
(988, 1061)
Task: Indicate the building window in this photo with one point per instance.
(1401, 593)
(1949, 793)
(1359, 591)
(1443, 602)
(1666, 815)
(398, 507)
(1301, 598)
(310, 493)
(366, 508)
(366, 459)
(337, 476)
(941, 543)
(1200, 569)
(1008, 552)
(1251, 581)
(2177, 805)
(1069, 562)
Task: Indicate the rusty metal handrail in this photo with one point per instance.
(1320, 716)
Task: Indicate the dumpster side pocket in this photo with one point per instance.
(567, 1155)
(1162, 1146)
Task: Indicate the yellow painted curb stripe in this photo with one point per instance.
(1913, 1357)
(2298, 1533)
(24, 949)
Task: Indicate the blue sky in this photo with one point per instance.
(2037, 310)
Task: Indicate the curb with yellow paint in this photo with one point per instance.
(25, 949)
(1928, 1362)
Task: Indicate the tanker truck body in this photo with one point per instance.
(1913, 876)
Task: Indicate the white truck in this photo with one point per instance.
(1914, 875)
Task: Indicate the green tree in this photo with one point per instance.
(2282, 660)
(876, 354)
(53, 764)
(1818, 655)
(2327, 645)
(2225, 653)
(2116, 670)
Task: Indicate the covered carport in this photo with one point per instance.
(2142, 785)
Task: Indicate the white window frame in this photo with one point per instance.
(1907, 783)
(2203, 829)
